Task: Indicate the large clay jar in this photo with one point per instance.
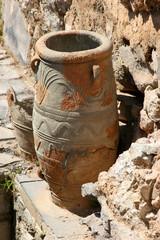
(75, 119)
(21, 118)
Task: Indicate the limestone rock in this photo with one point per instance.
(88, 190)
(156, 188)
(124, 167)
(151, 177)
(145, 191)
(151, 104)
(156, 166)
(103, 225)
(142, 77)
(146, 124)
(142, 5)
(155, 137)
(129, 192)
(95, 223)
(136, 198)
(150, 216)
(15, 30)
(156, 202)
(141, 154)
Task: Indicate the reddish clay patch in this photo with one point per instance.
(107, 101)
(71, 103)
(112, 130)
(116, 142)
(79, 99)
(56, 154)
(68, 103)
(79, 75)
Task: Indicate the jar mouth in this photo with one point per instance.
(72, 42)
(71, 46)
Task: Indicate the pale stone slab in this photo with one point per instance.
(2, 57)
(6, 61)
(9, 72)
(16, 35)
(18, 86)
(64, 224)
(10, 126)
(4, 109)
(3, 52)
(6, 134)
(6, 159)
(4, 113)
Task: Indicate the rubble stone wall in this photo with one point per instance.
(136, 37)
(25, 21)
(134, 27)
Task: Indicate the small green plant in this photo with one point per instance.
(9, 182)
(37, 162)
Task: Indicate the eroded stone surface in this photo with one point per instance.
(18, 85)
(150, 115)
(9, 72)
(6, 159)
(25, 21)
(4, 110)
(7, 61)
(130, 191)
(6, 134)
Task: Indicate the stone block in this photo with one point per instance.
(62, 223)
(6, 134)
(4, 109)
(9, 72)
(7, 61)
(146, 192)
(18, 85)
(16, 35)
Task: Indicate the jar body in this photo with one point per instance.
(75, 125)
(21, 118)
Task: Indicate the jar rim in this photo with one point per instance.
(50, 55)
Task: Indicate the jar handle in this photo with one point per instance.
(34, 59)
(11, 97)
(96, 84)
(96, 72)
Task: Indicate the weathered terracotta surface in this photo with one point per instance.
(21, 117)
(75, 112)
